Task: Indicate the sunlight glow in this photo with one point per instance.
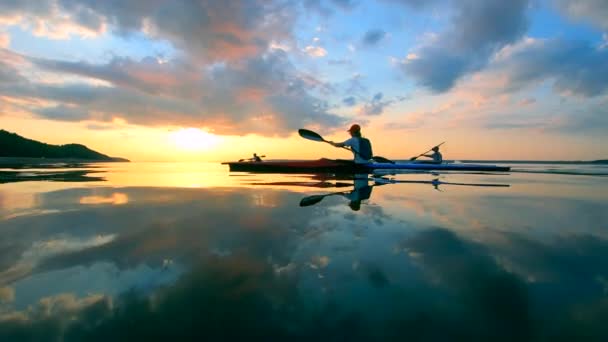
(194, 139)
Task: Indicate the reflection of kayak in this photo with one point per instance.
(347, 166)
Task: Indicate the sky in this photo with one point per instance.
(206, 80)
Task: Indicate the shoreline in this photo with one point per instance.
(4, 161)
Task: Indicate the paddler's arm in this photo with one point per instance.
(337, 144)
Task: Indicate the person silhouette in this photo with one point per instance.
(436, 156)
(256, 158)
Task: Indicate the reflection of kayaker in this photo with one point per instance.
(362, 191)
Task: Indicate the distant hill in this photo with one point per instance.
(14, 145)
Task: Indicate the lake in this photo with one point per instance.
(158, 251)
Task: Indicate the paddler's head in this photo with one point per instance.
(436, 148)
(355, 205)
(355, 130)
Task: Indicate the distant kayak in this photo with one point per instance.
(346, 166)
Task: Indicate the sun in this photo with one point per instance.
(194, 139)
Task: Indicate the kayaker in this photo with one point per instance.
(361, 147)
(256, 158)
(436, 155)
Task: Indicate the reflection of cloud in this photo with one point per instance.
(61, 305)
(319, 261)
(116, 198)
(41, 250)
(7, 294)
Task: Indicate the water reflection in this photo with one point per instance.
(49, 175)
(471, 263)
(362, 190)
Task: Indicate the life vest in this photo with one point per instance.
(365, 149)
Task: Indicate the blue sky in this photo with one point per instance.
(508, 74)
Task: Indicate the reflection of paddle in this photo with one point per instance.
(242, 160)
(421, 154)
(434, 182)
(314, 199)
(310, 135)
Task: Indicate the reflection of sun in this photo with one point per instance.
(194, 139)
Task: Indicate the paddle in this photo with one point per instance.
(314, 199)
(310, 135)
(242, 160)
(421, 154)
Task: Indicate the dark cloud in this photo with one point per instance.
(478, 29)
(264, 95)
(373, 37)
(350, 101)
(376, 106)
(63, 113)
(10, 75)
(14, 8)
(208, 30)
(594, 11)
(573, 66)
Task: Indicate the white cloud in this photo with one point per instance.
(315, 51)
(5, 39)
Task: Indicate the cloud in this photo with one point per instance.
(63, 113)
(478, 29)
(350, 101)
(5, 39)
(315, 51)
(51, 19)
(574, 67)
(376, 106)
(593, 11)
(264, 94)
(208, 30)
(373, 37)
(149, 75)
(9, 75)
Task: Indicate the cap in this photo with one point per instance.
(354, 128)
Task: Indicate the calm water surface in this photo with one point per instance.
(190, 251)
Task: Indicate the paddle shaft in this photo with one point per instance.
(421, 154)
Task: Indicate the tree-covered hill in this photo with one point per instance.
(14, 145)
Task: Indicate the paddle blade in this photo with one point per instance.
(413, 158)
(382, 160)
(310, 135)
(310, 200)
